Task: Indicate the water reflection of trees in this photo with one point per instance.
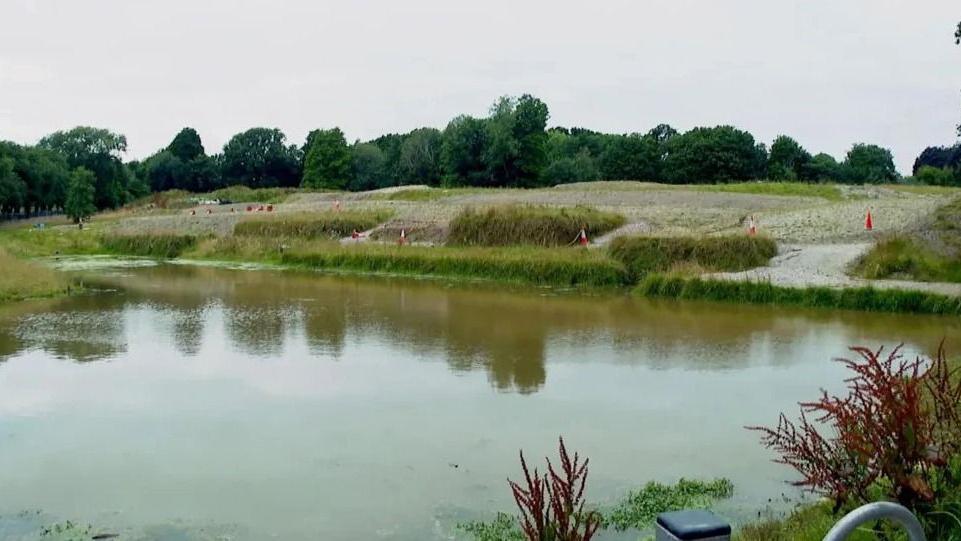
(508, 335)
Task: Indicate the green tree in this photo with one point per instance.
(420, 161)
(517, 154)
(719, 154)
(186, 145)
(13, 190)
(787, 160)
(632, 157)
(80, 195)
(369, 165)
(97, 150)
(462, 151)
(936, 176)
(869, 164)
(328, 161)
(823, 167)
(260, 158)
(581, 168)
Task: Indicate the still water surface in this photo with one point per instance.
(187, 402)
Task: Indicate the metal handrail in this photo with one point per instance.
(876, 511)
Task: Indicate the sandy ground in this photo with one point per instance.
(819, 238)
(826, 265)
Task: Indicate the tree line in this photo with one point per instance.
(512, 146)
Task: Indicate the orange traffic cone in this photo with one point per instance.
(752, 227)
(868, 222)
(582, 238)
(403, 237)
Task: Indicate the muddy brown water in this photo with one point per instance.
(189, 402)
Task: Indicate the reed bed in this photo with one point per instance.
(862, 298)
(23, 280)
(329, 224)
(558, 268)
(643, 255)
(159, 245)
(528, 225)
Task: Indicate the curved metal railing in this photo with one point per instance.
(876, 511)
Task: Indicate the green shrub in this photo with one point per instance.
(311, 225)
(642, 255)
(528, 225)
(906, 258)
(149, 245)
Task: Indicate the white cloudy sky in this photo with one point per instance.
(828, 72)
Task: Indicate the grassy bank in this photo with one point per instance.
(931, 256)
(528, 225)
(24, 280)
(643, 255)
(861, 298)
(312, 225)
(538, 266)
(160, 246)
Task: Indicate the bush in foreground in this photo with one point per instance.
(528, 225)
(895, 435)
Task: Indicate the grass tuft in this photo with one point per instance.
(23, 280)
(642, 255)
(312, 225)
(528, 225)
(151, 245)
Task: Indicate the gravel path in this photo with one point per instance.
(826, 265)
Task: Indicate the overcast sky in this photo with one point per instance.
(827, 72)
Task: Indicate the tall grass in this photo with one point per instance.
(564, 268)
(798, 189)
(862, 298)
(528, 225)
(150, 245)
(312, 225)
(246, 194)
(28, 242)
(22, 279)
(642, 255)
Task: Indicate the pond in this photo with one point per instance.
(191, 402)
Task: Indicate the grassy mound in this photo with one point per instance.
(311, 225)
(245, 194)
(642, 255)
(528, 225)
(906, 258)
(862, 298)
(22, 279)
(934, 257)
(152, 245)
(518, 265)
(796, 189)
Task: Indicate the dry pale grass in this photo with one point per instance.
(21, 279)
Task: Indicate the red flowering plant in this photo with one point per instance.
(552, 505)
(894, 432)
